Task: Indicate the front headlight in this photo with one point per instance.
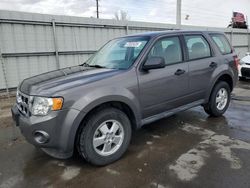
(18, 97)
(242, 62)
(42, 105)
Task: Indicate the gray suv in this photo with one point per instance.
(131, 81)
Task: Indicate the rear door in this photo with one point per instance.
(164, 89)
(227, 54)
(201, 64)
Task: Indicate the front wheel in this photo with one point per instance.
(104, 137)
(219, 100)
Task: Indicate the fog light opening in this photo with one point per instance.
(41, 137)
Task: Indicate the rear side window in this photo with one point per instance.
(222, 43)
(168, 48)
(197, 47)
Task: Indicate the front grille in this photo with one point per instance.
(245, 72)
(23, 103)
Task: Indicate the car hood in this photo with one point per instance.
(246, 59)
(49, 83)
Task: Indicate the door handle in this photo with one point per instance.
(213, 65)
(179, 72)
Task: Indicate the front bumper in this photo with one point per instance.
(244, 70)
(60, 126)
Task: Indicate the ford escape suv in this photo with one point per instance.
(131, 81)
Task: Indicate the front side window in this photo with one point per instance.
(222, 43)
(119, 53)
(169, 49)
(197, 47)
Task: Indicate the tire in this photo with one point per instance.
(242, 78)
(214, 109)
(95, 127)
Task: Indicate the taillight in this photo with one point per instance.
(236, 62)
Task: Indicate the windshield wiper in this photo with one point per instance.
(97, 66)
(85, 64)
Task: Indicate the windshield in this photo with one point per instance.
(118, 53)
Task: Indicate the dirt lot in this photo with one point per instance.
(189, 149)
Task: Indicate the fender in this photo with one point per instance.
(105, 94)
(220, 71)
(99, 96)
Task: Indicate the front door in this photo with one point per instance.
(165, 88)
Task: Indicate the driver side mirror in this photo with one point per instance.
(154, 63)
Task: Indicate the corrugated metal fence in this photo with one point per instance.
(32, 43)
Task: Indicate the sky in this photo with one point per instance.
(213, 13)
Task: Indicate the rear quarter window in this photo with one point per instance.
(222, 43)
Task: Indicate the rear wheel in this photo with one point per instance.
(219, 100)
(104, 137)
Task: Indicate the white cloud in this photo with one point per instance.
(90, 12)
(153, 12)
(216, 13)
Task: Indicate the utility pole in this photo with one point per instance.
(97, 8)
(178, 14)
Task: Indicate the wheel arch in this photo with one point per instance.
(224, 76)
(121, 105)
(132, 114)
